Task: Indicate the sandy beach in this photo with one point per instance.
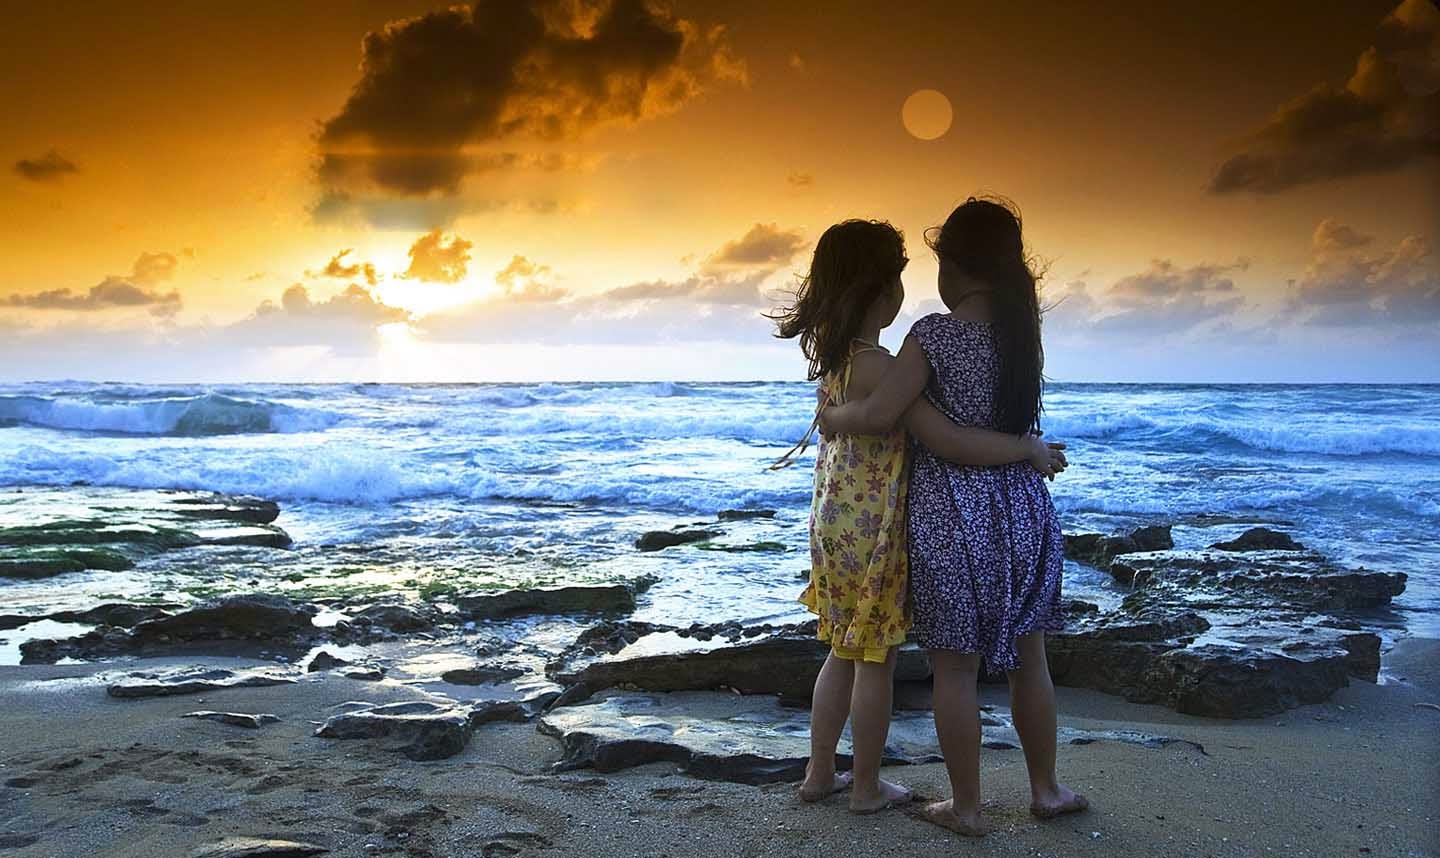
(85, 774)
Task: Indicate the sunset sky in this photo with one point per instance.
(405, 191)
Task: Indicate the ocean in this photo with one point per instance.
(416, 487)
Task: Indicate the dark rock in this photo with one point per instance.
(234, 719)
(397, 618)
(658, 539)
(610, 636)
(1363, 649)
(252, 616)
(1235, 682)
(784, 662)
(255, 847)
(29, 562)
(518, 711)
(419, 729)
(325, 661)
(119, 614)
(576, 599)
(742, 514)
(195, 680)
(1098, 550)
(75, 532)
(244, 508)
(482, 674)
(261, 535)
(1159, 657)
(781, 664)
(1260, 539)
(1279, 582)
(363, 674)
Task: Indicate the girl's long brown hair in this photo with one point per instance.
(855, 263)
(982, 238)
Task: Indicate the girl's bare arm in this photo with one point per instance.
(971, 445)
(881, 410)
(963, 445)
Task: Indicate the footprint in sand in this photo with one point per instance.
(512, 843)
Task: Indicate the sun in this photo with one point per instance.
(927, 114)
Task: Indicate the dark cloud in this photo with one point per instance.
(1385, 117)
(337, 268)
(435, 259)
(114, 292)
(411, 213)
(435, 84)
(800, 180)
(50, 167)
(1345, 285)
(345, 322)
(763, 246)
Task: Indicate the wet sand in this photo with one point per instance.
(84, 774)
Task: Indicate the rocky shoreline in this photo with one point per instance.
(1247, 628)
(1250, 627)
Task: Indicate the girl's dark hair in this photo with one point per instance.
(982, 240)
(854, 264)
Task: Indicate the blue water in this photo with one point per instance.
(572, 471)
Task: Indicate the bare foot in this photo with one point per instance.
(816, 788)
(943, 814)
(888, 796)
(1062, 800)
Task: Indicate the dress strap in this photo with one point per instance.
(799, 449)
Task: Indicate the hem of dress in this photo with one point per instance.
(1050, 625)
(838, 638)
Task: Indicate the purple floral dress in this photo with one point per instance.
(986, 552)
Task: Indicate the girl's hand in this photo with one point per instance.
(1046, 457)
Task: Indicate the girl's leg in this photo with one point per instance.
(1032, 705)
(870, 705)
(957, 724)
(829, 708)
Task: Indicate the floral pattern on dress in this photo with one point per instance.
(859, 580)
(986, 554)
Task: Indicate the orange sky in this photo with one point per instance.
(634, 146)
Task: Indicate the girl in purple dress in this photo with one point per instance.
(985, 545)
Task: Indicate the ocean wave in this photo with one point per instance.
(205, 414)
(369, 476)
(1318, 500)
(1328, 439)
(759, 427)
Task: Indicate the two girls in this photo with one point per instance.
(860, 578)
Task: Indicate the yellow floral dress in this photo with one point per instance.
(859, 574)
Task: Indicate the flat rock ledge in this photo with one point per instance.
(195, 680)
(92, 528)
(235, 719)
(258, 618)
(575, 599)
(424, 729)
(747, 740)
(782, 662)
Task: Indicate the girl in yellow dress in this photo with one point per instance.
(859, 578)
